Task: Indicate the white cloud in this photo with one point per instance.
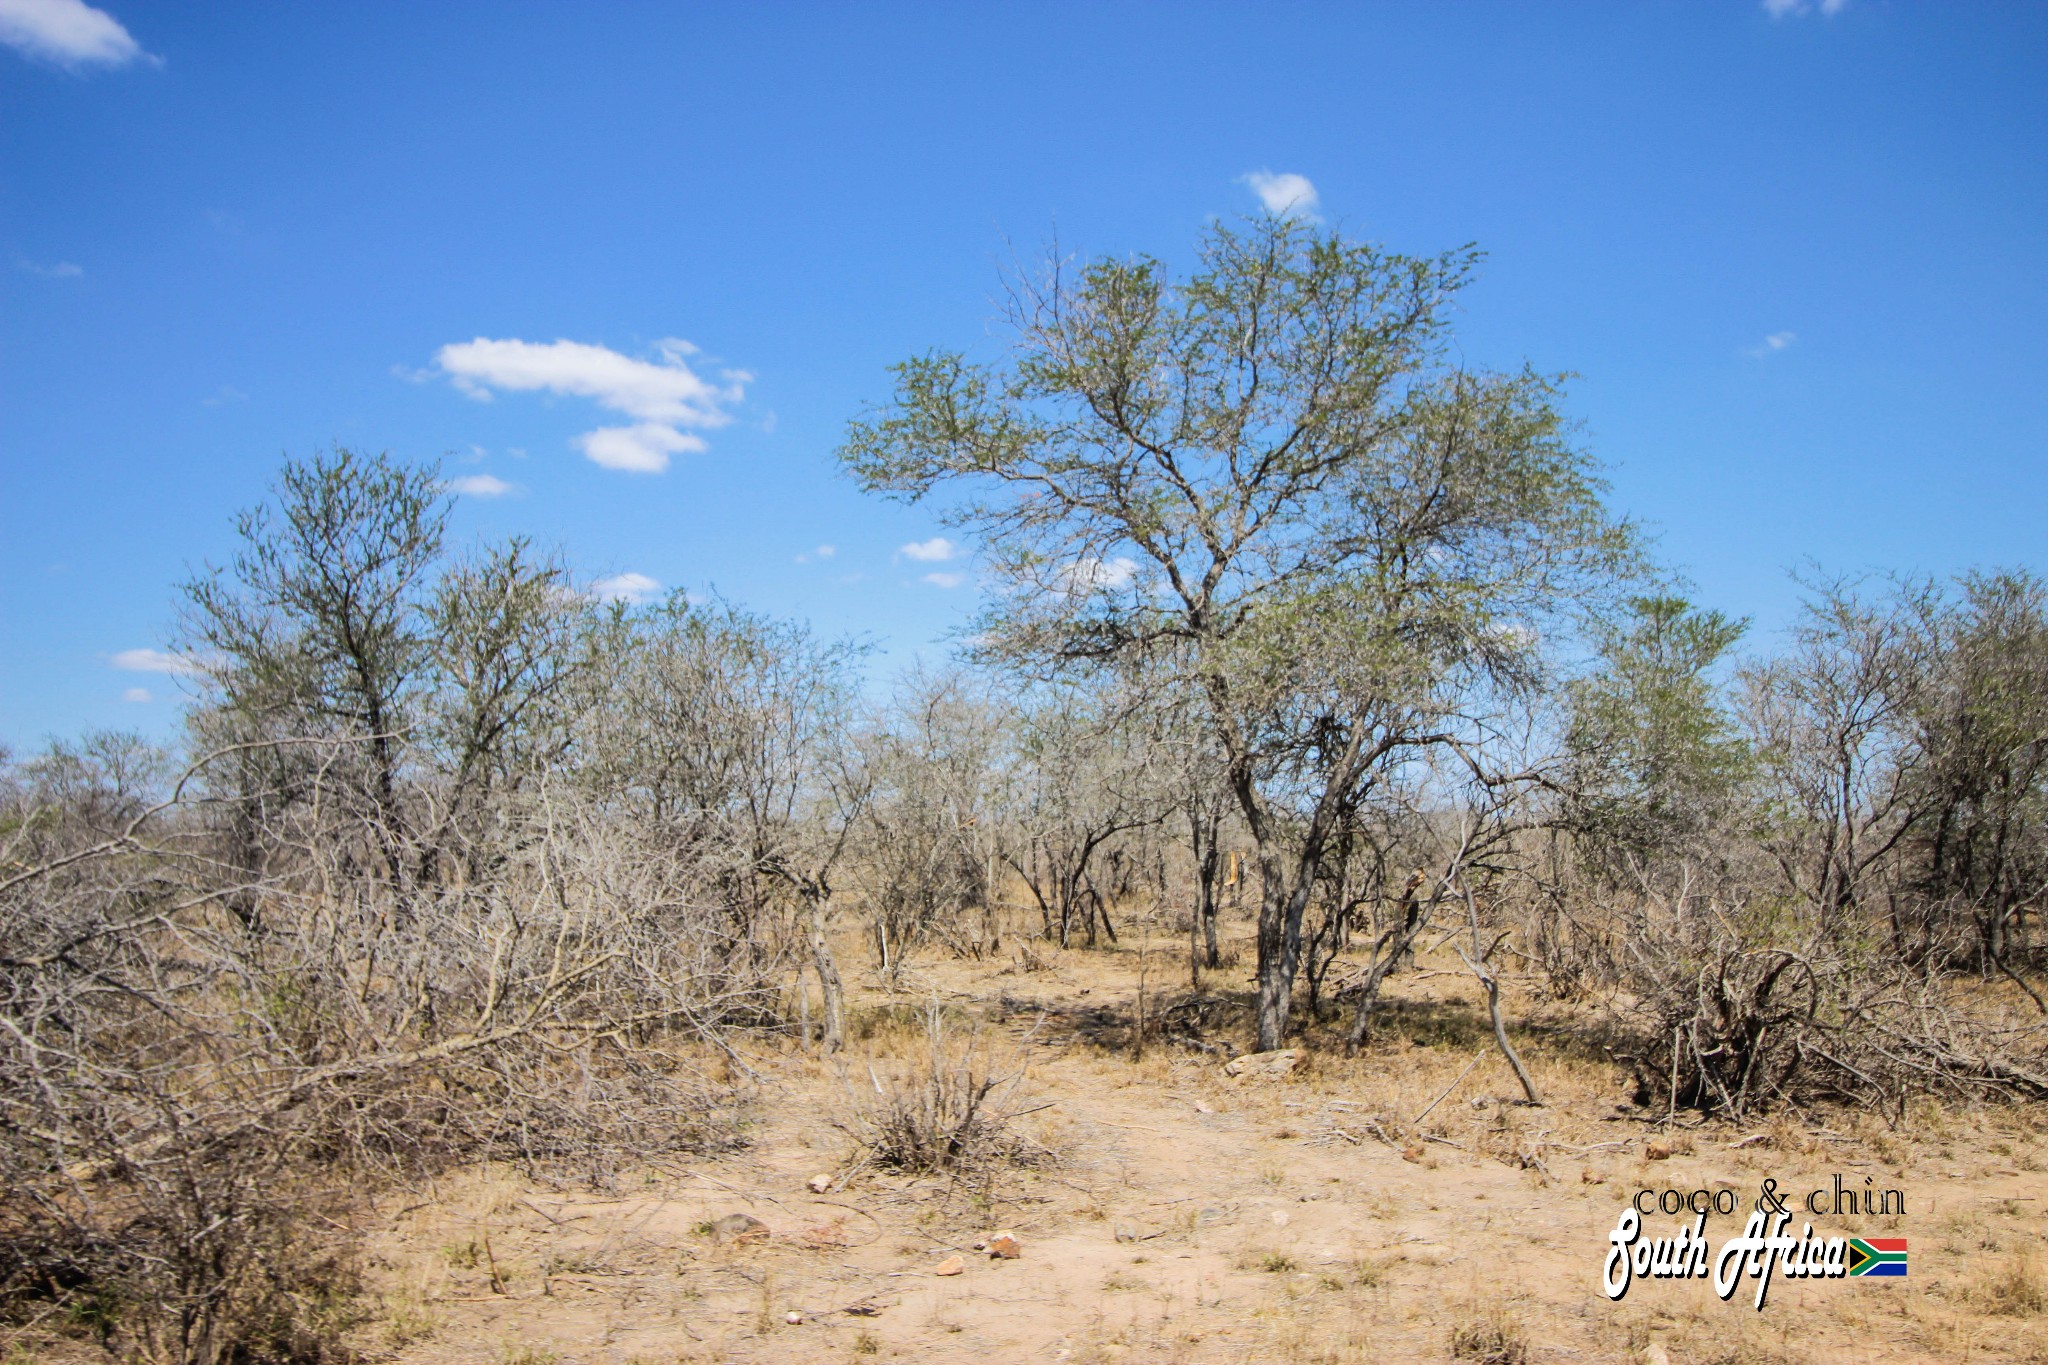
(662, 397)
(481, 486)
(152, 661)
(945, 580)
(640, 449)
(1785, 9)
(1287, 194)
(137, 694)
(1776, 341)
(61, 270)
(937, 550)
(67, 32)
(826, 551)
(625, 587)
(1089, 573)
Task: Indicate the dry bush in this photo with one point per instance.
(1732, 999)
(200, 1070)
(953, 1105)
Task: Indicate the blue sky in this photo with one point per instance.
(1795, 253)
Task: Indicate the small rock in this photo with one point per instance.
(952, 1265)
(1655, 1354)
(1411, 1154)
(1005, 1246)
(1586, 1177)
(1202, 1107)
(793, 1319)
(739, 1227)
(1126, 1233)
(1657, 1149)
(819, 1183)
(1206, 1216)
(1280, 1219)
(1278, 1063)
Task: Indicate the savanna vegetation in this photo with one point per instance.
(1308, 651)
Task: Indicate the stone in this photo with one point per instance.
(1655, 1354)
(1264, 1064)
(1657, 1149)
(739, 1227)
(1126, 1233)
(794, 1319)
(819, 1183)
(952, 1265)
(1411, 1154)
(1004, 1246)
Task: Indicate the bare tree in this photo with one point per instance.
(1084, 777)
(939, 752)
(1827, 723)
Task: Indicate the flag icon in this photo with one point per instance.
(1877, 1255)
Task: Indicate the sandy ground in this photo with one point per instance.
(1183, 1215)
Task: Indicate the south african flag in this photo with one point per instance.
(1877, 1256)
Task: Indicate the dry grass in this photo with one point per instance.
(1489, 1334)
(2011, 1286)
(952, 1105)
(1179, 1226)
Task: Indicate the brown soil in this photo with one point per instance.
(1175, 1214)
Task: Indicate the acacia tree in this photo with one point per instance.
(1980, 722)
(1655, 758)
(443, 684)
(1269, 479)
(316, 629)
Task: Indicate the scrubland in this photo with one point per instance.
(499, 970)
(1170, 1212)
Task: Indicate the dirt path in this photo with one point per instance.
(1191, 1217)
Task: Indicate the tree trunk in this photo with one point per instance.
(1280, 909)
(834, 1036)
(1203, 836)
(1394, 942)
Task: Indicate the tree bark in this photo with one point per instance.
(834, 1035)
(1281, 903)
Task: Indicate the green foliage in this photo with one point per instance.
(1655, 754)
(1269, 489)
(1271, 460)
(1979, 718)
(319, 610)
